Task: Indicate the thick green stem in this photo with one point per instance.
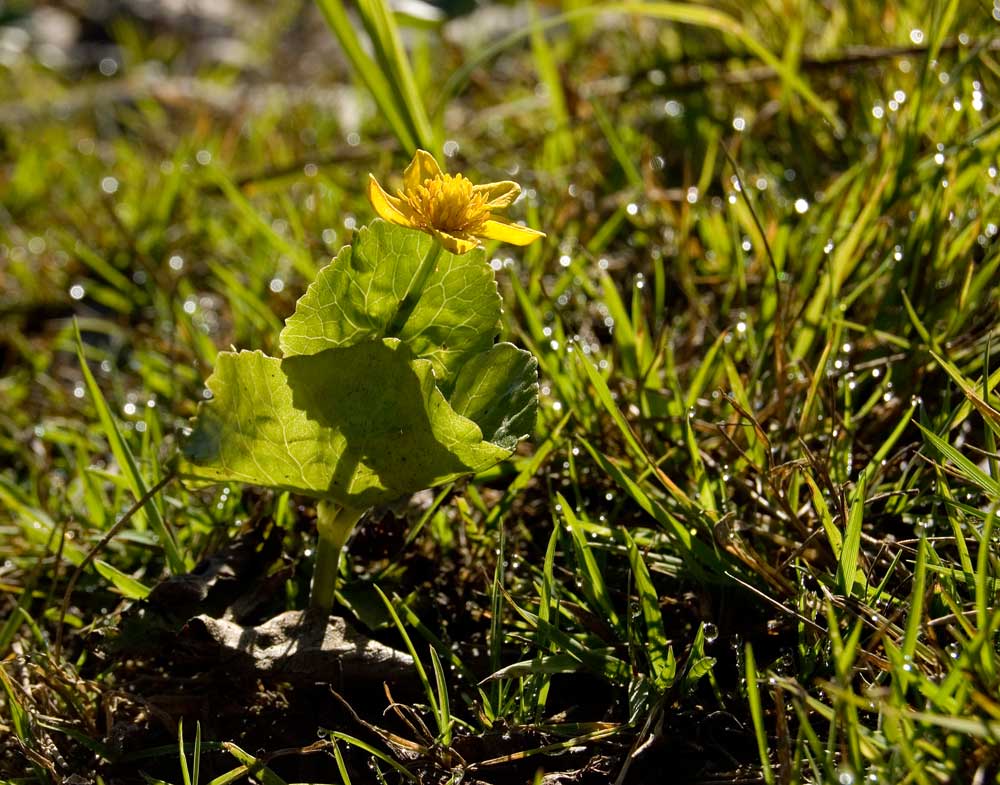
(415, 290)
(334, 525)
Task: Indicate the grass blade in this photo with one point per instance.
(757, 714)
(122, 453)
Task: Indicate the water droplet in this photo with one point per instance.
(711, 632)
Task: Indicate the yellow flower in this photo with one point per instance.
(449, 207)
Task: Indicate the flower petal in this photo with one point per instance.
(508, 232)
(455, 243)
(386, 206)
(422, 167)
(499, 195)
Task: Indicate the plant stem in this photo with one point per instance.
(334, 525)
(415, 290)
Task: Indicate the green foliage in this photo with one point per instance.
(355, 298)
(354, 416)
(761, 494)
(388, 77)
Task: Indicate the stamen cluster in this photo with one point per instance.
(447, 203)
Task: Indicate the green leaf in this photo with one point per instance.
(396, 113)
(658, 650)
(255, 766)
(355, 298)
(847, 562)
(963, 466)
(592, 579)
(126, 584)
(498, 390)
(362, 425)
(553, 663)
(127, 462)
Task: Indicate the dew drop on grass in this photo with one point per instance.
(710, 631)
(673, 109)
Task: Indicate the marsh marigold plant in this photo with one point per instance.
(449, 207)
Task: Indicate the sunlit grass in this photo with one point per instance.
(754, 533)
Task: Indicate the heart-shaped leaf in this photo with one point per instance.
(498, 390)
(356, 296)
(362, 424)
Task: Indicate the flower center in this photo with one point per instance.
(447, 203)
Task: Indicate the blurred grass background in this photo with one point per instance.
(753, 537)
